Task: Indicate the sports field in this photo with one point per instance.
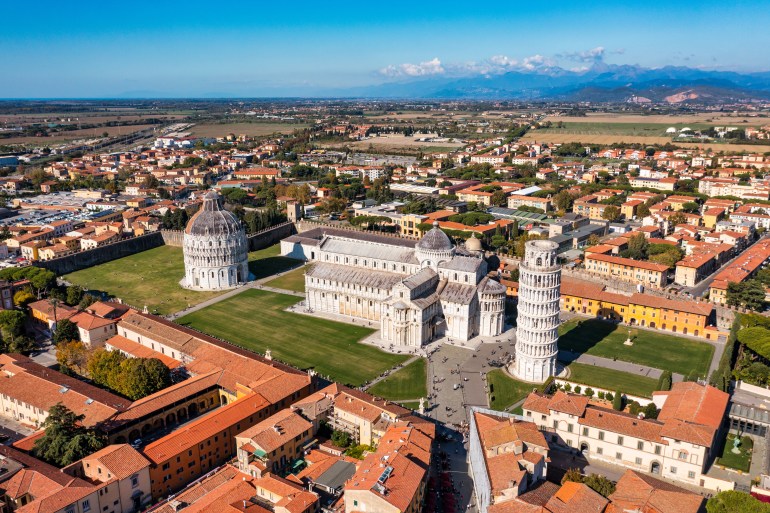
(613, 380)
(255, 319)
(653, 349)
(404, 384)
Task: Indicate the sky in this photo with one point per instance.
(85, 49)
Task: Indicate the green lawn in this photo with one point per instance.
(293, 280)
(406, 383)
(412, 405)
(152, 277)
(612, 380)
(256, 320)
(504, 390)
(740, 461)
(268, 261)
(148, 278)
(666, 352)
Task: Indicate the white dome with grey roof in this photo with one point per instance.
(434, 248)
(215, 248)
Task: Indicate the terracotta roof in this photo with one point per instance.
(277, 430)
(120, 460)
(640, 492)
(203, 428)
(137, 350)
(571, 404)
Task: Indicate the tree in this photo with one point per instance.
(690, 207)
(642, 211)
(650, 411)
(72, 357)
(65, 330)
(593, 239)
(638, 246)
(87, 300)
(677, 218)
(600, 484)
(66, 440)
(563, 200)
(617, 402)
(341, 438)
(498, 199)
(664, 381)
(23, 297)
(140, 377)
(749, 294)
(611, 213)
(12, 324)
(43, 280)
(572, 475)
(103, 367)
(74, 295)
(730, 501)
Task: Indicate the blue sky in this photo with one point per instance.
(107, 49)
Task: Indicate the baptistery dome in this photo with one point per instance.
(215, 248)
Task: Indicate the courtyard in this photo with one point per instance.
(151, 278)
(257, 320)
(650, 348)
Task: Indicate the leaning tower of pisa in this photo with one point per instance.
(538, 312)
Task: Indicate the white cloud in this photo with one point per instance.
(592, 55)
(426, 68)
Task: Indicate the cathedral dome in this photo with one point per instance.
(435, 240)
(473, 244)
(212, 218)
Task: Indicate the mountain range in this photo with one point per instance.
(601, 83)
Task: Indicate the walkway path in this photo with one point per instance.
(568, 357)
(256, 284)
(390, 371)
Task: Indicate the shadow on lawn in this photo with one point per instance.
(585, 335)
(265, 267)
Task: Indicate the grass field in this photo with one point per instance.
(268, 261)
(152, 277)
(71, 135)
(404, 384)
(148, 278)
(253, 129)
(740, 461)
(666, 352)
(293, 280)
(504, 390)
(612, 380)
(255, 319)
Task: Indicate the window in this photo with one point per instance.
(585, 431)
(673, 470)
(620, 440)
(134, 481)
(86, 505)
(569, 428)
(556, 424)
(657, 449)
(599, 450)
(638, 461)
(618, 456)
(640, 445)
(682, 455)
(601, 435)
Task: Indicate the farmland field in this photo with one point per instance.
(252, 129)
(257, 320)
(71, 135)
(707, 118)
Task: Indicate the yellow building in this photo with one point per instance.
(685, 317)
(626, 269)
(712, 216)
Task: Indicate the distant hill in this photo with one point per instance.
(602, 83)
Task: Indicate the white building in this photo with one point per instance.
(679, 445)
(417, 291)
(537, 320)
(215, 248)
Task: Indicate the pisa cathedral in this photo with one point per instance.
(216, 251)
(416, 290)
